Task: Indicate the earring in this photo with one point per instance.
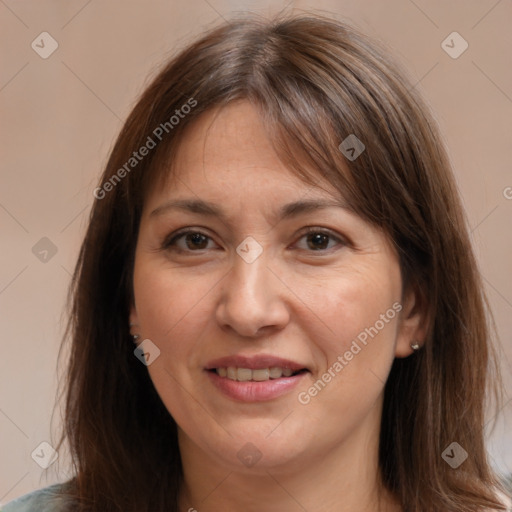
(415, 346)
(134, 336)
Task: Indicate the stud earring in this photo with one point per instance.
(415, 346)
(134, 336)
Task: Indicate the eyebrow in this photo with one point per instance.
(208, 209)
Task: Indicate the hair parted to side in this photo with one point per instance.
(315, 82)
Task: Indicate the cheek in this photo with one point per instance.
(359, 313)
(353, 303)
(172, 312)
(171, 306)
(165, 295)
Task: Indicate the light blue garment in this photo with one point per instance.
(42, 500)
(48, 500)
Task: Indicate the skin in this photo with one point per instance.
(301, 299)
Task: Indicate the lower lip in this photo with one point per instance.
(252, 391)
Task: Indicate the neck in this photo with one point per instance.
(341, 480)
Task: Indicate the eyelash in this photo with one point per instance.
(171, 240)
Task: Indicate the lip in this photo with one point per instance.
(255, 362)
(252, 391)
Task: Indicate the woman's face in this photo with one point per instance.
(264, 285)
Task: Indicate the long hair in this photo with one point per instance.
(315, 82)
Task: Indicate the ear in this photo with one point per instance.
(134, 320)
(413, 322)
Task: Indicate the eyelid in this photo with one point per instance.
(182, 232)
(326, 231)
(340, 239)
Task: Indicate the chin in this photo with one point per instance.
(260, 449)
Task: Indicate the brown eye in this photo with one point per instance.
(193, 241)
(319, 240)
(196, 241)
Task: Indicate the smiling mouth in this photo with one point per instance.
(255, 375)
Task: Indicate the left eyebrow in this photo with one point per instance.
(209, 209)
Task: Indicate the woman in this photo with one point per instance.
(279, 232)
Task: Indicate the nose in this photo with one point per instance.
(253, 300)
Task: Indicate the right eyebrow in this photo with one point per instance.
(198, 206)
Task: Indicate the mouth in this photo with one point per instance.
(255, 375)
(255, 379)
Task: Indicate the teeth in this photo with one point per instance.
(259, 375)
(243, 374)
(275, 372)
(263, 374)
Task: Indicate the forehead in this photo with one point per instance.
(227, 151)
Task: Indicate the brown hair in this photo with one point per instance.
(315, 82)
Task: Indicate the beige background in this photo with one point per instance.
(60, 115)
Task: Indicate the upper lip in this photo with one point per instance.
(254, 362)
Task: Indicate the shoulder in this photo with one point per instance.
(504, 499)
(47, 499)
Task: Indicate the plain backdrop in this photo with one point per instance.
(60, 116)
